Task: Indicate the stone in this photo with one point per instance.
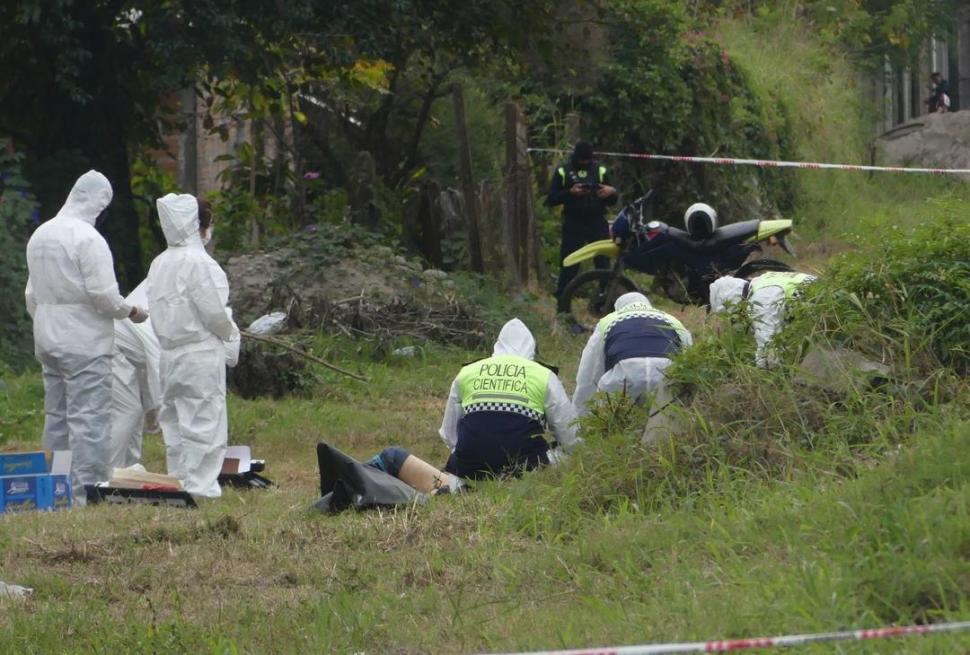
(929, 141)
(839, 370)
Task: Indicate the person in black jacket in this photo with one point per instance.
(939, 101)
(582, 186)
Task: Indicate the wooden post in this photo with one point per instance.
(521, 208)
(363, 182)
(429, 220)
(467, 181)
(513, 233)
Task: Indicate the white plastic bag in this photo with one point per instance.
(268, 324)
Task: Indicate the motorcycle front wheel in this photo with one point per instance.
(590, 296)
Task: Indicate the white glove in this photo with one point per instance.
(138, 314)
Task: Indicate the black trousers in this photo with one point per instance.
(576, 233)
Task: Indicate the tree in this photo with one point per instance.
(392, 60)
(85, 84)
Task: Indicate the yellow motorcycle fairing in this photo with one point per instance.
(768, 229)
(606, 248)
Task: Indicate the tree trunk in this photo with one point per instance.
(429, 220)
(468, 182)
(363, 182)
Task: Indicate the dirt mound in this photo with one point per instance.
(325, 281)
(368, 293)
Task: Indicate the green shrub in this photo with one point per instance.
(902, 298)
(18, 212)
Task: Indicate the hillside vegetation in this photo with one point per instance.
(780, 507)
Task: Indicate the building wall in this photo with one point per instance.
(900, 95)
(195, 156)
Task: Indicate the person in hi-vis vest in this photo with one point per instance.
(629, 350)
(499, 408)
(768, 297)
(583, 187)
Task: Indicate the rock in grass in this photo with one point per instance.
(839, 370)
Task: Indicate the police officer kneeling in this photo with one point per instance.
(499, 407)
(768, 299)
(629, 350)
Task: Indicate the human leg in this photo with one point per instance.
(199, 398)
(88, 393)
(573, 238)
(168, 421)
(597, 231)
(127, 414)
(55, 406)
(413, 470)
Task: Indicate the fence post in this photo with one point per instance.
(523, 232)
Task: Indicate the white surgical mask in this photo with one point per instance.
(207, 236)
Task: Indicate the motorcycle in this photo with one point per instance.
(682, 265)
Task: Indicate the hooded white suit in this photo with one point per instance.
(766, 309)
(559, 414)
(137, 387)
(73, 298)
(187, 294)
(636, 375)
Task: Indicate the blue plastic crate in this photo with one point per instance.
(61, 496)
(33, 463)
(21, 493)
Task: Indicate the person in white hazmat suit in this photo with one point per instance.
(72, 296)
(499, 408)
(187, 294)
(136, 392)
(767, 296)
(629, 350)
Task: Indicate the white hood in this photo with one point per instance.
(629, 299)
(179, 215)
(726, 291)
(89, 196)
(515, 339)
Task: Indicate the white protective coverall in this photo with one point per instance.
(187, 294)
(637, 375)
(72, 296)
(136, 392)
(766, 309)
(516, 339)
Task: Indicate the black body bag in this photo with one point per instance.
(346, 483)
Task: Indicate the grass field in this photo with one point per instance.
(557, 559)
(815, 514)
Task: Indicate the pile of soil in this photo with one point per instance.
(364, 293)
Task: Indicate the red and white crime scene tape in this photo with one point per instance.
(770, 163)
(762, 642)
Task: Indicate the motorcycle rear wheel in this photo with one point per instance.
(761, 265)
(590, 296)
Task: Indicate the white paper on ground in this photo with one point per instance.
(14, 591)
